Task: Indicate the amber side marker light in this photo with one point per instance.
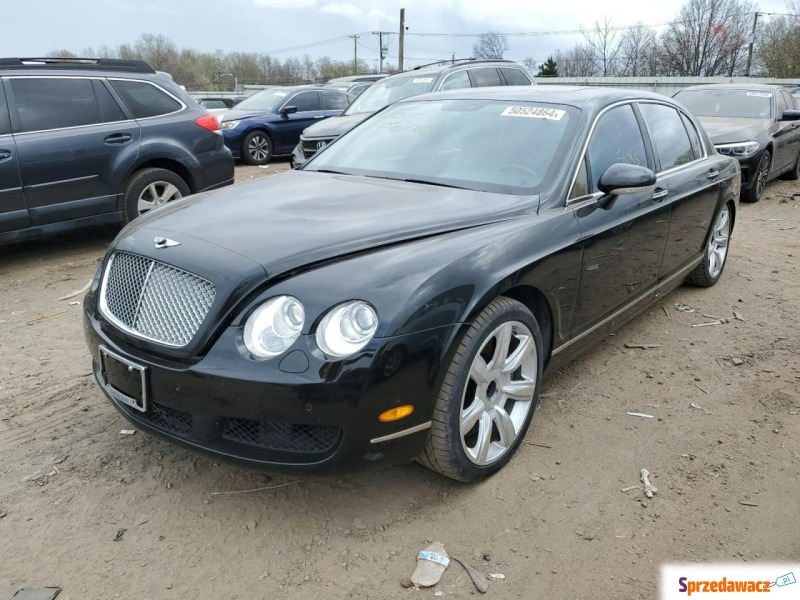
(396, 413)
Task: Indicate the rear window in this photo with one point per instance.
(485, 77)
(515, 76)
(54, 103)
(144, 99)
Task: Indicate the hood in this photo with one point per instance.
(334, 127)
(236, 114)
(300, 218)
(728, 130)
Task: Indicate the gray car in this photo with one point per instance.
(98, 141)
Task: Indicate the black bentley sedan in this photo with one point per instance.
(402, 294)
(758, 124)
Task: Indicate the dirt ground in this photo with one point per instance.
(104, 515)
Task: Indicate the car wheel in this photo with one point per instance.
(256, 148)
(710, 269)
(760, 183)
(149, 188)
(794, 174)
(488, 394)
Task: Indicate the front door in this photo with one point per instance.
(13, 212)
(622, 244)
(288, 129)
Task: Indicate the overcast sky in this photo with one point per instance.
(33, 28)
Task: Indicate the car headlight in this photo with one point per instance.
(228, 124)
(347, 328)
(274, 327)
(738, 149)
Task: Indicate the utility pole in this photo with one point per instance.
(402, 37)
(384, 50)
(752, 41)
(355, 54)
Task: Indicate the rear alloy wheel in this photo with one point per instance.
(256, 148)
(760, 183)
(709, 271)
(488, 395)
(151, 188)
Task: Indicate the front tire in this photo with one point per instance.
(256, 148)
(488, 395)
(710, 269)
(760, 184)
(149, 188)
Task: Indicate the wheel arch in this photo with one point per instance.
(168, 164)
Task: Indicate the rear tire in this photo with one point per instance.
(488, 395)
(256, 148)
(760, 183)
(708, 272)
(149, 188)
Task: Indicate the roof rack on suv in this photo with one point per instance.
(464, 61)
(50, 62)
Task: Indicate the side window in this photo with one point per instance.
(110, 111)
(617, 138)
(668, 134)
(456, 81)
(694, 138)
(485, 76)
(5, 124)
(335, 101)
(581, 186)
(304, 101)
(782, 105)
(145, 100)
(789, 99)
(515, 76)
(52, 103)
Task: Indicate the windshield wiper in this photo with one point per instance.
(436, 183)
(327, 171)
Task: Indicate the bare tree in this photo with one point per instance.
(708, 37)
(490, 45)
(638, 52)
(601, 41)
(61, 54)
(779, 45)
(529, 62)
(577, 62)
(158, 51)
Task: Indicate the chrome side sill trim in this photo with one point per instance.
(399, 434)
(659, 292)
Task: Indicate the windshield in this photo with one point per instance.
(388, 91)
(755, 104)
(484, 145)
(264, 100)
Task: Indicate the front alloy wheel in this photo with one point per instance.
(488, 395)
(256, 148)
(760, 184)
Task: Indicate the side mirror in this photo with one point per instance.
(288, 110)
(790, 115)
(620, 179)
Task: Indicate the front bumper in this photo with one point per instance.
(292, 413)
(749, 166)
(233, 140)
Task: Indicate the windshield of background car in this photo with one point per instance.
(505, 147)
(755, 104)
(266, 100)
(389, 91)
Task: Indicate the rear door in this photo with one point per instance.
(692, 183)
(793, 130)
(71, 136)
(785, 132)
(13, 212)
(288, 127)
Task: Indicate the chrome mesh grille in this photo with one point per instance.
(153, 300)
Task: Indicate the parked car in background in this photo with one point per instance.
(269, 123)
(795, 92)
(401, 294)
(757, 124)
(216, 103)
(354, 84)
(92, 141)
(429, 78)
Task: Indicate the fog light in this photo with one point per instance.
(396, 413)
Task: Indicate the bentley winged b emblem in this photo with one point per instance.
(162, 242)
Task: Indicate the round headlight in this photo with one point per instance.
(347, 328)
(274, 326)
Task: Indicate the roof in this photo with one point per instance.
(734, 86)
(75, 64)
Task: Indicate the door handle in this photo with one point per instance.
(4, 154)
(659, 195)
(713, 174)
(116, 139)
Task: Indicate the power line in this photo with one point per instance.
(341, 38)
(536, 33)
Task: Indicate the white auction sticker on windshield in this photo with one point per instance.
(534, 112)
(422, 80)
(760, 94)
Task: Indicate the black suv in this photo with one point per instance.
(92, 141)
(427, 78)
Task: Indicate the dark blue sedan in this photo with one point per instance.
(270, 122)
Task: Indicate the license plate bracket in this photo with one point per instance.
(123, 379)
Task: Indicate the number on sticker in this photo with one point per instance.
(760, 94)
(534, 112)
